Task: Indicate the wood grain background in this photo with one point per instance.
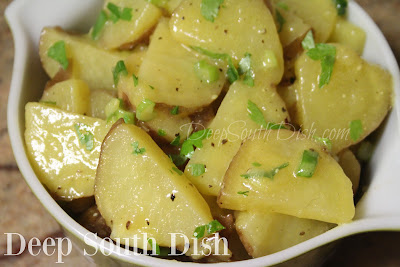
(21, 212)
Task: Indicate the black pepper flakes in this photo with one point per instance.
(148, 222)
(283, 109)
(224, 141)
(128, 223)
(172, 197)
(212, 144)
(177, 89)
(226, 31)
(302, 233)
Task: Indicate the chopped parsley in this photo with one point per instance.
(232, 73)
(341, 6)
(151, 87)
(194, 140)
(135, 80)
(178, 171)
(259, 173)
(257, 116)
(86, 138)
(99, 24)
(356, 130)
(178, 160)
(128, 117)
(206, 72)
(145, 110)
(150, 241)
(209, 228)
(256, 164)
(114, 111)
(119, 69)
(245, 68)
(175, 110)
(162, 132)
(176, 141)
(308, 41)
(308, 163)
(324, 141)
(58, 52)
(282, 5)
(197, 169)
(280, 19)
(136, 149)
(244, 193)
(117, 13)
(326, 53)
(210, 9)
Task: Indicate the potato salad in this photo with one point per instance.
(240, 126)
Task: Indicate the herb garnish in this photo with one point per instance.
(85, 138)
(209, 228)
(99, 24)
(119, 69)
(259, 173)
(136, 149)
(257, 116)
(326, 53)
(194, 140)
(210, 9)
(245, 193)
(117, 13)
(175, 110)
(308, 163)
(58, 52)
(245, 68)
(150, 241)
(197, 169)
(232, 73)
(356, 130)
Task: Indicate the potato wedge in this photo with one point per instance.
(89, 62)
(70, 95)
(230, 126)
(139, 190)
(144, 17)
(266, 233)
(65, 165)
(170, 69)
(321, 15)
(351, 167)
(347, 33)
(276, 155)
(251, 20)
(357, 91)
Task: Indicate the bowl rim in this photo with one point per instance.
(73, 227)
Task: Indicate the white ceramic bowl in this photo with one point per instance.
(377, 210)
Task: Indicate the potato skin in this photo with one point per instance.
(92, 220)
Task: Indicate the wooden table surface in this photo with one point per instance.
(21, 212)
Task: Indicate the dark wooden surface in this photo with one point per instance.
(21, 212)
